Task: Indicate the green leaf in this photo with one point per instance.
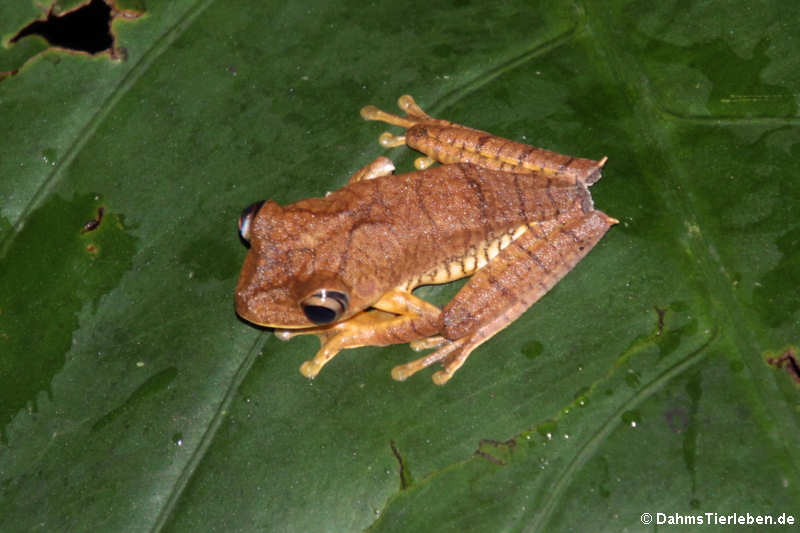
(655, 378)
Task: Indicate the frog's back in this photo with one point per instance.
(399, 227)
(456, 206)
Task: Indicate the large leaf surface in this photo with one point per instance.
(132, 399)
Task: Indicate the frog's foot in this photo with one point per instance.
(414, 114)
(452, 356)
(447, 142)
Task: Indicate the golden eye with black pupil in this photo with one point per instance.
(325, 306)
(246, 220)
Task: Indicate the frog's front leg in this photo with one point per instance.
(397, 318)
(508, 285)
(447, 142)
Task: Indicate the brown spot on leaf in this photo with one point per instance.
(93, 224)
(787, 360)
(677, 419)
(405, 476)
(498, 446)
(661, 314)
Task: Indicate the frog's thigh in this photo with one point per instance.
(513, 281)
(522, 273)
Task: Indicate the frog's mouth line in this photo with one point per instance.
(272, 326)
(275, 326)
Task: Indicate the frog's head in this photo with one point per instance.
(278, 286)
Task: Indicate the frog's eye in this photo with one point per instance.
(325, 306)
(246, 220)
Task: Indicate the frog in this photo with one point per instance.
(512, 217)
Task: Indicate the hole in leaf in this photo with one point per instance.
(87, 29)
(84, 29)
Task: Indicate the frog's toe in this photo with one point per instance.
(441, 377)
(405, 371)
(421, 163)
(455, 359)
(407, 104)
(310, 369)
(425, 344)
(370, 112)
(387, 140)
(401, 373)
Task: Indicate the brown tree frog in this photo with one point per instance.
(343, 267)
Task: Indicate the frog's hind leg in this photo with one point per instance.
(447, 142)
(507, 286)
